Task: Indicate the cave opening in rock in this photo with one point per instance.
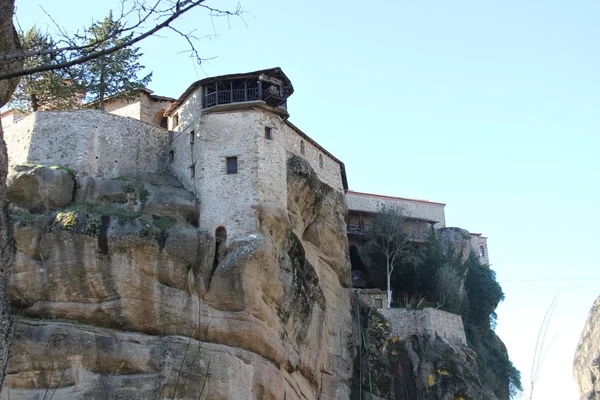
(220, 243)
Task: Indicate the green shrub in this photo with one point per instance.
(164, 223)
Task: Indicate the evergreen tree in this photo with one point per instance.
(49, 90)
(115, 73)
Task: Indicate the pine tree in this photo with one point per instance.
(50, 90)
(115, 73)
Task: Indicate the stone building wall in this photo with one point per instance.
(227, 199)
(405, 323)
(374, 298)
(419, 209)
(125, 108)
(149, 108)
(89, 141)
(480, 247)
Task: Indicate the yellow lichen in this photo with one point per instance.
(443, 372)
(431, 380)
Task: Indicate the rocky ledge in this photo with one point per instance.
(116, 293)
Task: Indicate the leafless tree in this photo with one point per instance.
(388, 238)
(140, 19)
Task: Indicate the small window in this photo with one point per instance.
(172, 156)
(302, 147)
(164, 121)
(232, 165)
(481, 251)
(175, 120)
(321, 160)
(193, 170)
(378, 303)
(268, 133)
(192, 137)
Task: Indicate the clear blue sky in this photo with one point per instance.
(490, 107)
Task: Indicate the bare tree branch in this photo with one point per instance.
(170, 14)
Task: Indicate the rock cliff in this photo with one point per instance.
(586, 366)
(424, 365)
(118, 294)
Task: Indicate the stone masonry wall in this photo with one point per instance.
(405, 323)
(149, 108)
(291, 141)
(372, 297)
(89, 141)
(225, 199)
(476, 242)
(419, 209)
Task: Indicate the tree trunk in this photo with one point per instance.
(9, 43)
(34, 102)
(389, 283)
(101, 86)
(6, 258)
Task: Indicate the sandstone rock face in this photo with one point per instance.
(120, 295)
(586, 367)
(40, 189)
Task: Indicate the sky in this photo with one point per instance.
(490, 107)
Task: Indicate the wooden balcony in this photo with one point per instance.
(363, 229)
(271, 96)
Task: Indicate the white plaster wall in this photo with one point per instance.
(412, 208)
(89, 141)
(405, 323)
(125, 108)
(10, 118)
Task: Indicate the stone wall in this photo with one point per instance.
(405, 323)
(228, 199)
(88, 141)
(372, 297)
(150, 107)
(225, 199)
(480, 247)
(418, 209)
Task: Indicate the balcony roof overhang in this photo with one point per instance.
(273, 75)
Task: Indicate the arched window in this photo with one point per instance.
(481, 251)
(302, 147)
(321, 160)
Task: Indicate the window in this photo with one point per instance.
(268, 133)
(175, 120)
(481, 251)
(321, 160)
(302, 147)
(378, 303)
(232, 165)
(172, 156)
(193, 170)
(192, 137)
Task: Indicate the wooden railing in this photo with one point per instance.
(230, 96)
(417, 236)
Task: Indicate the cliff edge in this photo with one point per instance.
(586, 366)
